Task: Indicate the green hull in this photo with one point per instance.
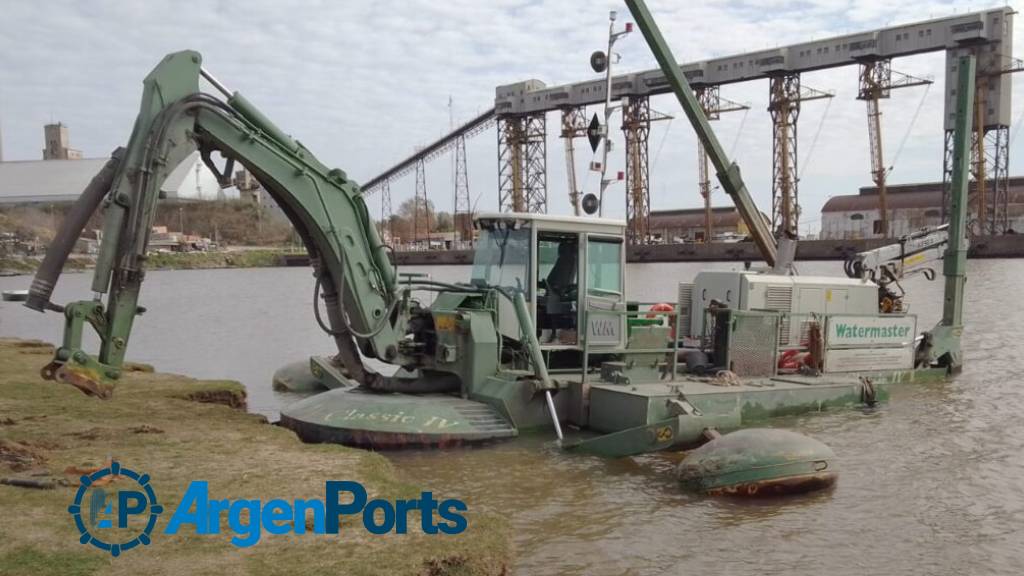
(635, 418)
(388, 421)
(621, 420)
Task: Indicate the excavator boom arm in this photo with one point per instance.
(327, 209)
(728, 172)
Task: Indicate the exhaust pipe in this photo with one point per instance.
(71, 228)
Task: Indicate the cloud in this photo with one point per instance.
(363, 83)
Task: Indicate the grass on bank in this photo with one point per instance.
(163, 261)
(198, 260)
(178, 429)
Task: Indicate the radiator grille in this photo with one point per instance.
(780, 298)
(685, 308)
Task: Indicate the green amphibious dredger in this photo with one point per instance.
(542, 336)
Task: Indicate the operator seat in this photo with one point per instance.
(561, 284)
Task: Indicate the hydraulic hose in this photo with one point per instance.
(67, 235)
(348, 327)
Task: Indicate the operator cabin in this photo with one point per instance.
(568, 250)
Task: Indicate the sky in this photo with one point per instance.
(362, 84)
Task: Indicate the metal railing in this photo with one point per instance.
(643, 311)
(786, 339)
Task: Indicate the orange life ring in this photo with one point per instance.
(664, 307)
(792, 359)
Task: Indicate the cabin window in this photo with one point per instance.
(604, 266)
(856, 216)
(876, 226)
(502, 257)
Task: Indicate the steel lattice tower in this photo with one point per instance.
(708, 98)
(875, 77)
(997, 151)
(877, 80)
(989, 189)
(784, 105)
(462, 216)
(785, 96)
(574, 125)
(385, 210)
(990, 179)
(420, 203)
(511, 134)
(636, 123)
(522, 163)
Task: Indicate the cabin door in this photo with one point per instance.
(605, 295)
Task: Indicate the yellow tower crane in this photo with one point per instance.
(713, 105)
(876, 80)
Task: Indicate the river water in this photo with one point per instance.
(930, 483)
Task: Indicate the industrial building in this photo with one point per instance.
(62, 174)
(687, 225)
(45, 182)
(911, 207)
(58, 143)
(250, 190)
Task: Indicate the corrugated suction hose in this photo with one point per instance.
(68, 234)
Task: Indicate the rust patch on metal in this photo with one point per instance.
(778, 486)
(86, 380)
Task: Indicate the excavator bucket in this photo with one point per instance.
(85, 378)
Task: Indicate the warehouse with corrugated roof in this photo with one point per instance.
(911, 207)
(687, 224)
(47, 182)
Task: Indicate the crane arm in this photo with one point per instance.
(327, 209)
(911, 254)
(728, 172)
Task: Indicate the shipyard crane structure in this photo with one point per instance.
(521, 108)
(986, 34)
(990, 142)
(877, 80)
(713, 105)
(786, 94)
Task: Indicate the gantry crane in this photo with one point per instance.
(785, 97)
(876, 80)
(574, 125)
(990, 144)
(713, 105)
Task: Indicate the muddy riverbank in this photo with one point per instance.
(178, 429)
